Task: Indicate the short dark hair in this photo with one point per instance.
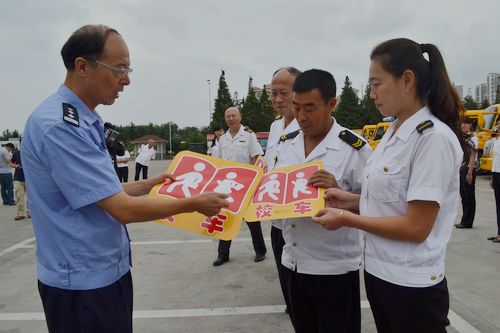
(86, 42)
(316, 79)
(9, 144)
(292, 70)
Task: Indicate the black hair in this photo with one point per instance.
(86, 42)
(292, 70)
(434, 87)
(433, 84)
(316, 79)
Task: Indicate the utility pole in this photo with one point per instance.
(209, 104)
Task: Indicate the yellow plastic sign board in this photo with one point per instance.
(284, 193)
(250, 193)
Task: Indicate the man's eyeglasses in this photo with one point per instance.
(121, 71)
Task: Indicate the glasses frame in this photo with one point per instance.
(121, 71)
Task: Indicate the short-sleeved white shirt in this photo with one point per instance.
(309, 248)
(495, 163)
(412, 166)
(145, 155)
(277, 130)
(240, 148)
(122, 164)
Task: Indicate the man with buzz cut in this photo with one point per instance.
(240, 145)
(322, 267)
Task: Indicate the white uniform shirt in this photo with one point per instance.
(412, 166)
(495, 163)
(277, 130)
(212, 150)
(309, 248)
(240, 148)
(145, 155)
(123, 164)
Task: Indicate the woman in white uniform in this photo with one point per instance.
(410, 190)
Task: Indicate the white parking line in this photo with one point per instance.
(460, 324)
(457, 322)
(20, 245)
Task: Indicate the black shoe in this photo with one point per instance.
(462, 226)
(220, 261)
(259, 257)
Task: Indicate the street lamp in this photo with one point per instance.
(209, 105)
(170, 138)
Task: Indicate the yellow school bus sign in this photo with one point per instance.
(278, 194)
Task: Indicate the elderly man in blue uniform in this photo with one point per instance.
(322, 268)
(79, 208)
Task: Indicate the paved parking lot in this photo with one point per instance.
(178, 290)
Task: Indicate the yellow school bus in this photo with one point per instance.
(368, 132)
(483, 122)
(380, 130)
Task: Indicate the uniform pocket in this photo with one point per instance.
(387, 181)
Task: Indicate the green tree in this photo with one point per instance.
(7, 134)
(371, 114)
(251, 108)
(266, 117)
(222, 102)
(469, 103)
(484, 104)
(237, 101)
(348, 112)
(497, 98)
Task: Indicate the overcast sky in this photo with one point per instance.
(176, 46)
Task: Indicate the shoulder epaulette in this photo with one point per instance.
(290, 135)
(248, 130)
(351, 139)
(278, 117)
(424, 125)
(70, 114)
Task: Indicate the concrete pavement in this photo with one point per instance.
(178, 290)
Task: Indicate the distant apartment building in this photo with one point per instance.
(258, 91)
(481, 93)
(492, 81)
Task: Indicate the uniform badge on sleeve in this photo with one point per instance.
(290, 135)
(351, 139)
(70, 114)
(424, 125)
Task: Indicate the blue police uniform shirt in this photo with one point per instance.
(68, 169)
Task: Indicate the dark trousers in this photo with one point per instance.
(404, 309)
(102, 310)
(324, 303)
(257, 239)
(123, 174)
(138, 168)
(7, 188)
(277, 243)
(468, 195)
(496, 188)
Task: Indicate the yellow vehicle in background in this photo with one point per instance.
(487, 158)
(368, 132)
(483, 121)
(380, 130)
